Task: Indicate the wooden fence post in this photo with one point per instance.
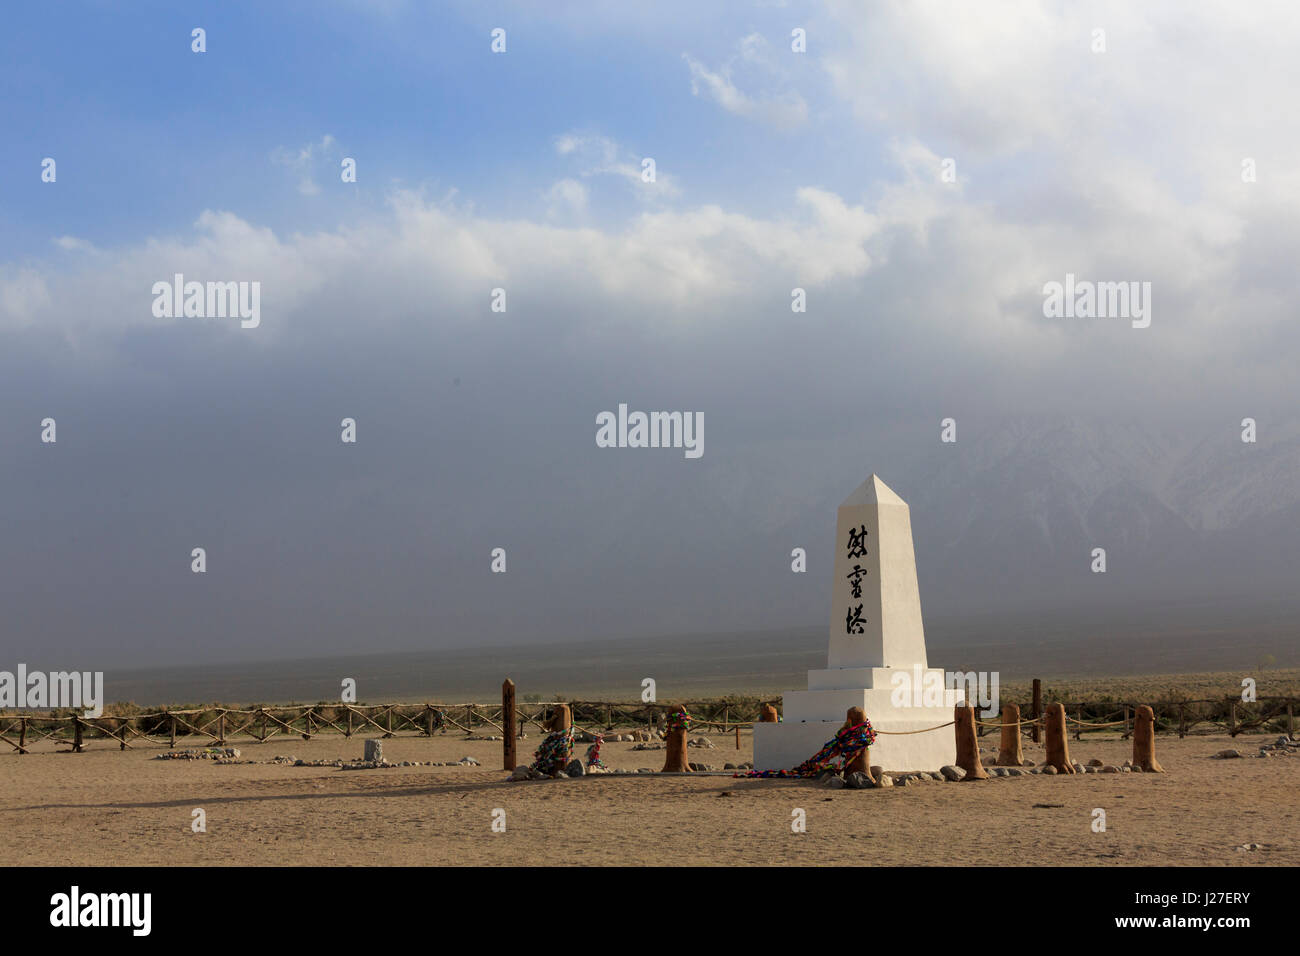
(1078, 728)
(221, 727)
(1038, 709)
(1144, 741)
(349, 731)
(1009, 752)
(1058, 750)
(173, 730)
(1127, 730)
(675, 748)
(737, 736)
(968, 751)
(389, 733)
(1182, 721)
(1232, 719)
(1290, 719)
(509, 753)
(22, 735)
(76, 734)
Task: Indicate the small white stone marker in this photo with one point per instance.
(374, 751)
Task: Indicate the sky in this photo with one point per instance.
(920, 170)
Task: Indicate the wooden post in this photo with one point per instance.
(968, 748)
(76, 734)
(173, 735)
(469, 718)
(675, 755)
(1009, 752)
(262, 711)
(22, 735)
(509, 753)
(1127, 729)
(1144, 741)
(349, 731)
(428, 720)
(561, 718)
(737, 736)
(861, 762)
(1038, 710)
(389, 733)
(1078, 728)
(1182, 721)
(221, 727)
(1057, 741)
(1290, 720)
(1232, 719)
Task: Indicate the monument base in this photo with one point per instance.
(813, 716)
(785, 746)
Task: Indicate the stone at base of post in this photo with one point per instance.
(862, 762)
(968, 750)
(1054, 740)
(675, 761)
(1144, 741)
(1009, 752)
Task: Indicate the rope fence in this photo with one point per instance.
(217, 724)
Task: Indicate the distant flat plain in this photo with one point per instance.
(1203, 650)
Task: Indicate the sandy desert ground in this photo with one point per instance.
(104, 807)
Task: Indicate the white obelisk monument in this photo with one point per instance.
(877, 650)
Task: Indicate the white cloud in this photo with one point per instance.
(783, 110)
(74, 244)
(24, 296)
(1116, 166)
(566, 196)
(303, 160)
(1182, 90)
(422, 251)
(601, 156)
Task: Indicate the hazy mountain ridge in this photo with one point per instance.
(1023, 507)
